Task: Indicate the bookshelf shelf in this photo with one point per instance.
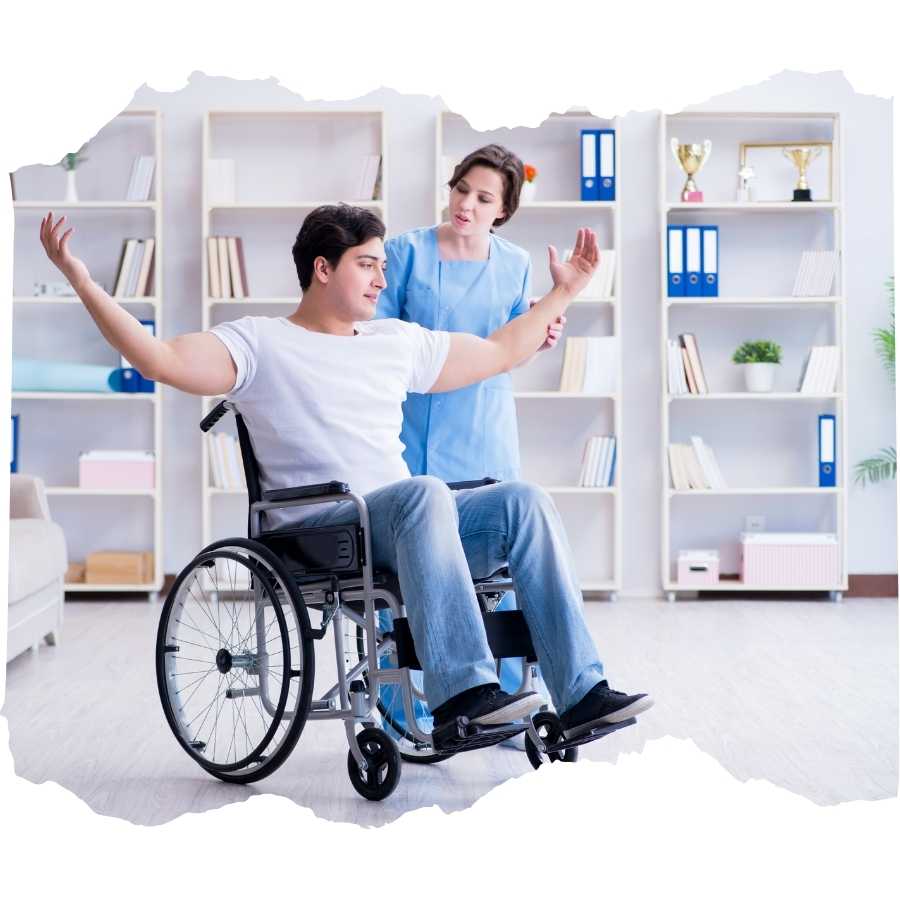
(738, 586)
(277, 153)
(826, 508)
(592, 516)
(134, 132)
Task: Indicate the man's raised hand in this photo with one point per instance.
(56, 246)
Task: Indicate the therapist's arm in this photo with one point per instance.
(196, 363)
(472, 359)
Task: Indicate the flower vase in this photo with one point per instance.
(760, 377)
(529, 190)
(71, 188)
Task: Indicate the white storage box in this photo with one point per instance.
(790, 559)
(698, 567)
(117, 470)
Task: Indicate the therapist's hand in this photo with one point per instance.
(554, 330)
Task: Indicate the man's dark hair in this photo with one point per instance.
(510, 167)
(330, 231)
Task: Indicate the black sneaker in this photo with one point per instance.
(486, 704)
(602, 706)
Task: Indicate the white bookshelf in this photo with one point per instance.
(554, 426)
(100, 224)
(287, 162)
(759, 439)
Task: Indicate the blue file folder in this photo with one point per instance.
(827, 451)
(131, 381)
(590, 155)
(676, 260)
(693, 261)
(710, 235)
(14, 445)
(606, 163)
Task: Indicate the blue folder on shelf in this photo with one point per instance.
(710, 260)
(676, 260)
(590, 184)
(606, 163)
(14, 445)
(827, 450)
(128, 378)
(693, 261)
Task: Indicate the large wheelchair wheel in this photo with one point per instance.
(389, 701)
(234, 660)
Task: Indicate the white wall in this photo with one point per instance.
(867, 123)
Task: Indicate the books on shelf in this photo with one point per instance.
(369, 184)
(815, 277)
(820, 371)
(685, 368)
(220, 181)
(141, 182)
(694, 466)
(227, 268)
(600, 287)
(590, 366)
(598, 462)
(135, 273)
(225, 461)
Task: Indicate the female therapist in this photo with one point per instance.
(460, 276)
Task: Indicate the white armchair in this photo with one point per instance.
(37, 568)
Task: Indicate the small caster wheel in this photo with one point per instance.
(613, 596)
(835, 596)
(383, 761)
(550, 730)
(670, 596)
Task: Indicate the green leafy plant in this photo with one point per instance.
(71, 161)
(882, 466)
(757, 352)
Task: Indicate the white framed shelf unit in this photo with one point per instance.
(49, 419)
(286, 163)
(766, 443)
(554, 426)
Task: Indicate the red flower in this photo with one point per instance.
(530, 173)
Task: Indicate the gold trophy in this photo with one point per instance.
(801, 157)
(691, 158)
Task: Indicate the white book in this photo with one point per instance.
(231, 476)
(676, 469)
(591, 463)
(599, 460)
(606, 475)
(234, 450)
(812, 367)
(212, 256)
(830, 272)
(125, 267)
(695, 471)
(610, 274)
(146, 267)
(224, 269)
(585, 453)
(145, 183)
(130, 194)
(234, 267)
(803, 276)
(834, 361)
(719, 481)
(220, 181)
(699, 448)
(134, 269)
(368, 176)
(215, 466)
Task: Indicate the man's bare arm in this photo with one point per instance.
(472, 359)
(196, 363)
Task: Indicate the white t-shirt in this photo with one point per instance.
(323, 407)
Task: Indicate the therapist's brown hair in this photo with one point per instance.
(510, 167)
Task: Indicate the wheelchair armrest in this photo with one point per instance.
(308, 490)
(463, 485)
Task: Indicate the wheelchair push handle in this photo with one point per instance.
(214, 415)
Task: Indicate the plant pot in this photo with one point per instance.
(529, 192)
(71, 189)
(760, 377)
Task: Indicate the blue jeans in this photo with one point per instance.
(437, 541)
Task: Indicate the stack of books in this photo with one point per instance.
(225, 461)
(694, 466)
(227, 269)
(598, 463)
(135, 273)
(820, 371)
(590, 366)
(141, 179)
(685, 368)
(600, 287)
(815, 276)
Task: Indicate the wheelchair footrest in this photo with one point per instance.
(593, 735)
(460, 735)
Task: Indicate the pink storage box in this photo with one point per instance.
(698, 567)
(789, 559)
(117, 470)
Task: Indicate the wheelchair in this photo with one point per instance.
(235, 660)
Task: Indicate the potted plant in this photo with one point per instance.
(529, 187)
(759, 359)
(70, 162)
(883, 465)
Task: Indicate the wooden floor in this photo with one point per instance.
(802, 693)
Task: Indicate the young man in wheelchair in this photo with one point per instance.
(321, 393)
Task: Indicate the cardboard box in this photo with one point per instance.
(74, 573)
(117, 470)
(119, 567)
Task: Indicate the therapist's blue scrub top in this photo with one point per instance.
(471, 432)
